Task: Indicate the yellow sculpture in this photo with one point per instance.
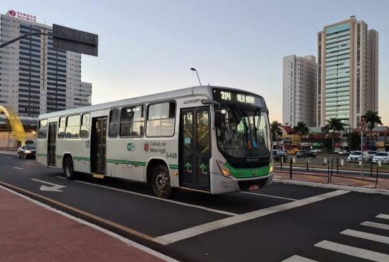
(16, 124)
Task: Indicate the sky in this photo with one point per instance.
(149, 46)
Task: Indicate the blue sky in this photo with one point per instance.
(149, 46)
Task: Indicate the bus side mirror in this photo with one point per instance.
(218, 118)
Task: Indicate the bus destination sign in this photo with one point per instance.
(231, 96)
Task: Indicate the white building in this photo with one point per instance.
(348, 72)
(299, 90)
(34, 77)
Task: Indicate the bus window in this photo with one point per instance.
(73, 127)
(61, 128)
(42, 133)
(85, 124)
(132, 121)
(114, 121)
(160, 119)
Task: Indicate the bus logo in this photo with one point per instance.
(130, 147)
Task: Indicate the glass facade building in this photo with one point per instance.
(347, 84)
(35, 78)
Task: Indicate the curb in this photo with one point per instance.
(332, 186)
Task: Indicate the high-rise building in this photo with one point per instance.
(348, 72)
(299, 90)
(35, 78)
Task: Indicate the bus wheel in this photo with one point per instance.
(68, 168)
(161, 182)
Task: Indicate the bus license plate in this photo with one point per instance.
(253, 187)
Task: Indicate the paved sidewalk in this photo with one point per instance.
(342, 180)
(8, 152)
(30, 232)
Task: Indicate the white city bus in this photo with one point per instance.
(207, 139)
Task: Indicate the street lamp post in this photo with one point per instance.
(363, 126)
(194, 69)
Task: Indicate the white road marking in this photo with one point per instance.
(296, 258)
(53, 188)
(353, 251)
(61, 177)
(368, 236)
(376, 225)
(160, 199)
(201, 229)
(125, 240)
(383, 216)
(284, 198)
(18, 168)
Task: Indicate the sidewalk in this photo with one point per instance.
(8, 152)
(31, 232)
(341, 180)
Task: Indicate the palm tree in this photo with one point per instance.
(334, 124)
(372, 119)
(301, 129)
(275, 131)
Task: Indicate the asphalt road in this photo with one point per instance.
(278, 223)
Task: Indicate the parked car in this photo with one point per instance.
(305, 153)
(355, 156)
(371, 154)
(343, 152)
(278, 154)
(381, 156)
(315, 151)
(27, 151)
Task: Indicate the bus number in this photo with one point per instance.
(171, 155)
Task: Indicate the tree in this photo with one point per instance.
(301, 129)
(372, 119)
(333, 124)
(275, 130)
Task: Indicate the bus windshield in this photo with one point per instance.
(244, 132)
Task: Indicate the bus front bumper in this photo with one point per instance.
(224, 184)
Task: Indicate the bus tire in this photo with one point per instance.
(161, 182)
(68, 168)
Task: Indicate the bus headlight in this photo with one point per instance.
(271, 168)
(223, 168)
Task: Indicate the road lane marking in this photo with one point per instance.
(160, 199)
(353, 251)
(368, 236)
(257, 194)
(7, 187)
(376, 225)
(383, 216)
(296, 258)
(18, 168)
(201, 229)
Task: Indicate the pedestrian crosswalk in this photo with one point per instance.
(356, 252)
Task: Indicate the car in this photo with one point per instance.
(278, 154)
(293, 151)
(27, 151)
(315, 151)
(371, 154)
(343, 152)
(381, 156)
(355, 156)
(305, 153)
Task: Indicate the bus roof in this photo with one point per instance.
(196, 90)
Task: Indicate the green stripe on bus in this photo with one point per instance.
(44, 155)
(126, 162)
(173, 166)
(248, 172)
(81, 158)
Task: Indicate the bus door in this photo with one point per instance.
(194, 150)
(98, 144)
(51, 144)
